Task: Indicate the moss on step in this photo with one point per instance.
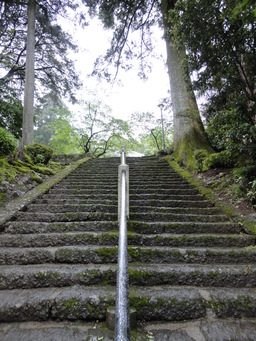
(69, 304)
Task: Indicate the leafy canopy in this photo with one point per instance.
(131, 22)
(54, 70)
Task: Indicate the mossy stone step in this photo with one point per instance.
(26, 227)
(111, 239)
(185, 227)
(108, 254)
(176, 210)
(73, 201)
(62, 275)
(146, 202)
(220, 228)
(176, 217)
(164, 191)
(85, 181)
(113, 182)
(77, 197)
(203, 330)
(86, 185)
(65, 217)
(89, 191)
(79, 207)
(171, 203)
(75, 207)
(110, 196)
(151, 303)
(166, 196)
(160, 186)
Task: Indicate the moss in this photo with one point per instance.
(249, 226)
(213, 274)
(107, 253)
(69, 304)
(185, 148)
(2, 197)
(48, 274)
(7, 171)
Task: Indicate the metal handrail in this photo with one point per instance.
(122, 316)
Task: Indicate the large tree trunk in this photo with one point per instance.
(28, 110)
(189, 133)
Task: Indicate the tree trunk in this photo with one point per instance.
(189, 133)
(28, 109)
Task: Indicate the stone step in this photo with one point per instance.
(159, 203)
(151, 303)
(175, 210)
(164, 191)
(27, 227)
(201, 330)
(75, 207)
(171, 203)
(111, 196)
(65, 217)
(86, 186)
(24, 227)
(108, 254)
(111, 238)
(62, 275)
(91, 191)
(176, 217)
(75, 201)
(79, 207)
(142, 217)
(150, 186)
(77, 197)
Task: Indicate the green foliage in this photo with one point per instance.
(7, 171)
(251, 194)
(39, 153)
(233, 130)
(10, 112)
(200, 155)
(7, 142)
(53, 68)
(248, 172)
(148, 129)
(64, 139)
(246, 178)
(224, 55)
(224, 60)
(124, 18)
(101, 134)
(223, 159)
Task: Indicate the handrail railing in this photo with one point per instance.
(122, 315)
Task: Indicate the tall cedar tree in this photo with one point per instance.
(53, 69)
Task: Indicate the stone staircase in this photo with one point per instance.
(192, 269)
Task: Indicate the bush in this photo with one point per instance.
(7, 142)
(200, 155)
(39, 153)
(223, 159)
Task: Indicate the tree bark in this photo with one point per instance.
(28, 109)
(189, 133)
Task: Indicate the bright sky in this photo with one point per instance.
(134, 94)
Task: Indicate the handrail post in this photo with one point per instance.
(122, 315)
(123, 167)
